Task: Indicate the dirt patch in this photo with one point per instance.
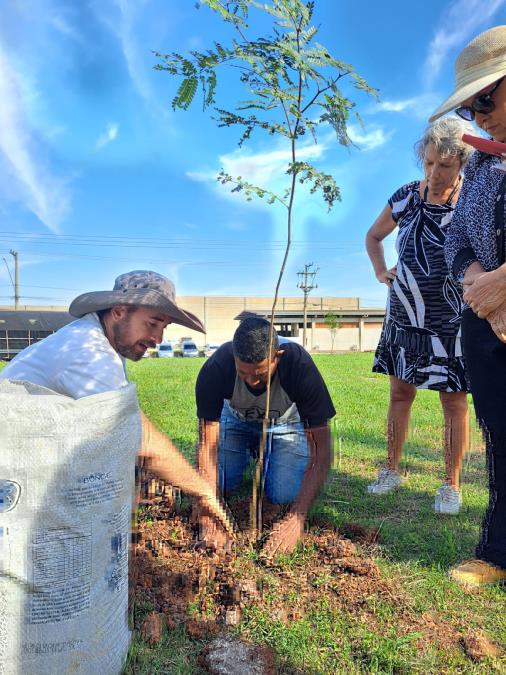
(208, 592)
(359, 533)
(227, 655)
(152, 627)
(478, 647)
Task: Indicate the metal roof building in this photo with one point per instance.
(20, 328)
(357, 329)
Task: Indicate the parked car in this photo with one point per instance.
(210, 349)
(150, 353)
(165, 350)
(189, 349)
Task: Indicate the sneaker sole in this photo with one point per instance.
(476, 585)
(446, 513)
(382, 492)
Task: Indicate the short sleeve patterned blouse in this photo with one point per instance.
(420, 340)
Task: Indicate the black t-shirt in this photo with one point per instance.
(298, 375)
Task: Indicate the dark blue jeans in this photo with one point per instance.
(285, 460)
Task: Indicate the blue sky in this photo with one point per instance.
(99, 176)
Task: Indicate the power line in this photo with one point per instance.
(15, 281)
(9, 271)
(162, 261)
(144, 242)
(152, 240)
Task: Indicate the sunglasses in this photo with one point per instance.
(482, 103)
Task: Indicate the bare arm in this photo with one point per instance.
(286, 534)
(381, 228)
(165, 459)
(207, 452)
(210, 531)
(319, 441)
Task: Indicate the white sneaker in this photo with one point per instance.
(386, 481)
(448, 500)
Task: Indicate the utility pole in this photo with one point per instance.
(306, 283)
(15, 281)
(15, 254)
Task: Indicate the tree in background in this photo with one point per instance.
(331, 320)
(293, 88)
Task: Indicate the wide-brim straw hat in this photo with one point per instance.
(481, 63)
(140, 288)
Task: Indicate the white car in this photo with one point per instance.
(189, 349)
(150, 353)
(165, 350)
(210, 349)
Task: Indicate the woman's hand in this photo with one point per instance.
(474, 271)
(387, 277)
(497, 320)
(486, 292)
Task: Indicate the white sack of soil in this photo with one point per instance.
(66, 488)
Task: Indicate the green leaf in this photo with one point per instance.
(249, 189)
(185, 93)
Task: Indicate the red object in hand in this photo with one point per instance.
(483, 144)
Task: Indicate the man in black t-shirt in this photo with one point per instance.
(231, 403)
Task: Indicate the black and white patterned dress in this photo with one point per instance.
(420, 341)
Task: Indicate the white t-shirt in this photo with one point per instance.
(78, 360)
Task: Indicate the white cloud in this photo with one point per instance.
(122, 18)
(125, 32)
(419, 107)
(202, 176)
(458, 24)
(265, 169)
(25, 176)
(109, 135)
(236, 226)
(368, 140)
(396, 106)
(58, 22)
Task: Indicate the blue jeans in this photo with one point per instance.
(285, 460)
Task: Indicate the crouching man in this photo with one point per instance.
(88, 356)
(231, 403)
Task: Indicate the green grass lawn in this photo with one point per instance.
(417, 546)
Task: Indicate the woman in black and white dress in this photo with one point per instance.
(420, 345)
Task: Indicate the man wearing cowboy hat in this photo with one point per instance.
(88, 356)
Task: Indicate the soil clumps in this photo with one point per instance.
(208, 592)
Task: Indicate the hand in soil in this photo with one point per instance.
(285, 535)
(213, 535)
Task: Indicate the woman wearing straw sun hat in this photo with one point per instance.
(475, 254)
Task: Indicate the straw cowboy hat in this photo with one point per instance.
(139, 288)
(480, 63)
